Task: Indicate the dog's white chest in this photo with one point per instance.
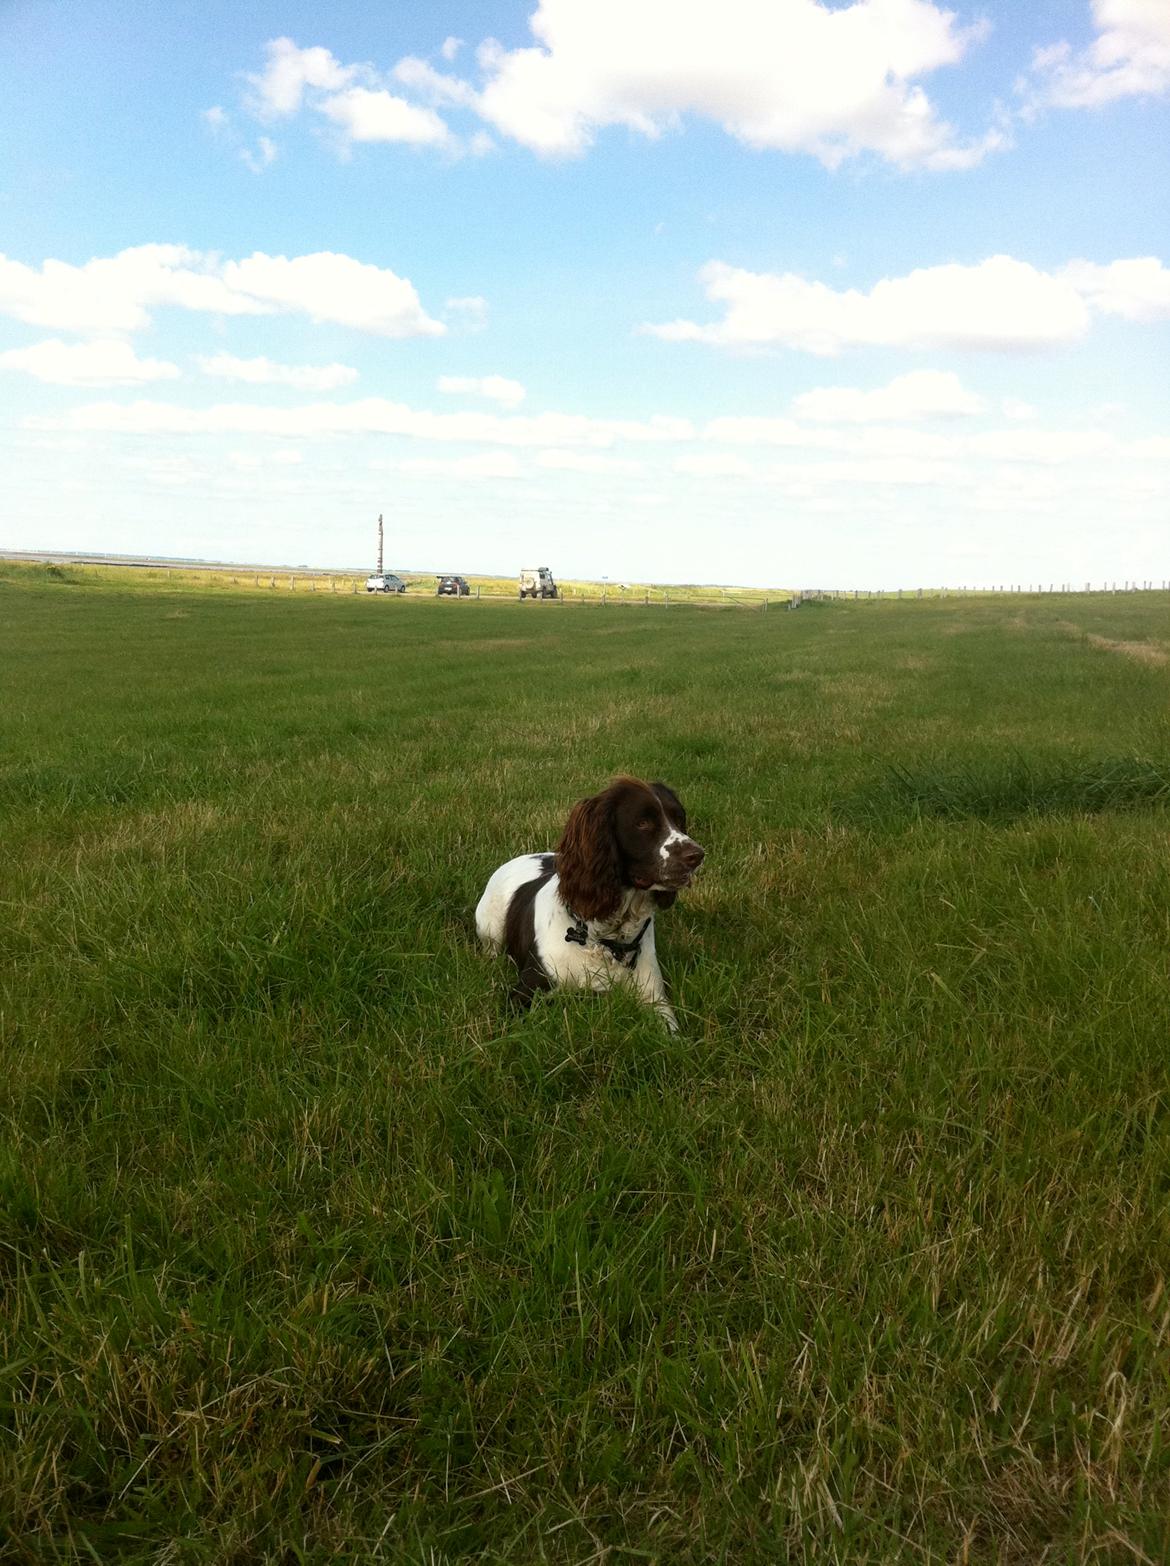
(575, 953)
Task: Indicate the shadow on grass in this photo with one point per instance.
(1012, 788)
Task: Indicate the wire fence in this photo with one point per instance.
(323, 582)
(665, 598)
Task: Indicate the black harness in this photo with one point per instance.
(625, 952)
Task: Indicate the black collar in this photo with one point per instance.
(626, 952)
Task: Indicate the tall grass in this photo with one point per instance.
(311, 1251)
(1009, 787)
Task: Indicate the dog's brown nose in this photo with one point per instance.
(692, 855)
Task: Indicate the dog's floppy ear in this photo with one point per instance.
(588, 862)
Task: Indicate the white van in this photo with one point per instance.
(537, 582)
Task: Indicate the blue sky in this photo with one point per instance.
(769, 291)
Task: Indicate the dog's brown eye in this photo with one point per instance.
(645, 826)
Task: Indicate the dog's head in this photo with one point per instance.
(632, 834)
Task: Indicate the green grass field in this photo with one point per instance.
(310, 1252)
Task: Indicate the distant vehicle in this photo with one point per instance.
(452, 587)
(386, 583)
(537, 582)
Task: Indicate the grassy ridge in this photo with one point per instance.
(282, 579)
(310, 1252)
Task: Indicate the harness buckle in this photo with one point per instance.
(624, 952)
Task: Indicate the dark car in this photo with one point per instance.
(452, 587)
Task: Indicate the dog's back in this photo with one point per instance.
(491, 913)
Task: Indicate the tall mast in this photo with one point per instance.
(379, 543)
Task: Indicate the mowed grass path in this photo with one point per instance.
(310, 1252)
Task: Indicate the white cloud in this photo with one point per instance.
(1129, 58)
(890, 444)
(714, 464)
(498, 388)
(1014, 408)
(435, 86)
(257, 158)
(816, 456)
(113, 294)
(1138, 289)
(117, 293)
(367, 416)
(482, 465)
(920, 394)
(1048, 447)
(373, 114)
(264, 155)
(885, 472)
(867, 440)
(253, 461)
(101, 362)
(178, 472)
(833, 81)
(353, 98)
(263, 372)
(758, 430)
(279, 90)
(997, 304)
(471, 312)
(659, 427)
(584, 462)
(335, 288)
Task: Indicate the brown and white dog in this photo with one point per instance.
(585, 915)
